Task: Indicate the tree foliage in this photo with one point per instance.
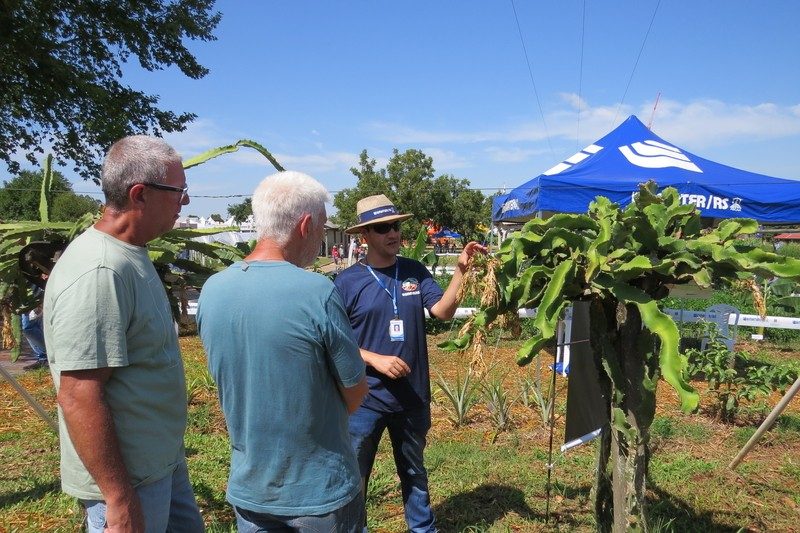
(408, 180)
(19, 197)
(69, 206)
(241, 211)
(61, 63)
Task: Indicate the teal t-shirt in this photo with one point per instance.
(278, 344)
(105, 306)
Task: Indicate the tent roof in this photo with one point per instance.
(631, 154)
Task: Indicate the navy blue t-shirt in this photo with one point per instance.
(370, 310)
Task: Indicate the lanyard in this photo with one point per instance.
(396, 276)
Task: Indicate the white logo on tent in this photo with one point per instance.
(653, 154)
(509, 205)
(574, 160)
(702, 201)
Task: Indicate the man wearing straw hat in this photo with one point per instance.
(385, 297)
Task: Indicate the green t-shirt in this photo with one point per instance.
(105, 307)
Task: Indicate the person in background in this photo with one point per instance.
(288, 370)
(114, 356)
(31, 324)
(386, 297)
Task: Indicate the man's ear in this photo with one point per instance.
(136, 194)
(304, 226)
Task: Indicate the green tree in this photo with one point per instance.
(68, 207)
(61, 67)
(408, 180)
(410, 176)
(369, 181)
(241, 211)
(19, 197)
(456, 206)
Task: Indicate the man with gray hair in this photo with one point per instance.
(114, 355)
(288, 370)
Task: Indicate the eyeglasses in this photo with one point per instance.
(161, 187)
(385, 227)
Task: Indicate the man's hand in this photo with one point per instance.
(388, 365)
(468, 251)
(125, 516)
(90, 424)
(445, 308)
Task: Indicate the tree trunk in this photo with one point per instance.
(631, 370)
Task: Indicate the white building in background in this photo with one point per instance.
(245, 231)
(196, 222)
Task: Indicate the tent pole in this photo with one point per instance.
(767, 423)
(28, 398)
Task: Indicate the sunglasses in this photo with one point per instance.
(161, 187)
(385, 227)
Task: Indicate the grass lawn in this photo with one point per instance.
(481, 478)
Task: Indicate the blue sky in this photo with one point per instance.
(318, 81)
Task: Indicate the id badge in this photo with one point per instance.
(396, 333)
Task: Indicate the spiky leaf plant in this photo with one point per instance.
(622, 261)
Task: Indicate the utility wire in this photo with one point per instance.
(619, 106)
(580, 80)
(533, 83)
(247, 195)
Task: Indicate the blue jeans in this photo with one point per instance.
(346, 519)
(168, 505)
(32, 330)
(407, 431)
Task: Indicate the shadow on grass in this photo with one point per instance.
(680, 516)
(218, 509)
(481, 507)
(34, 493)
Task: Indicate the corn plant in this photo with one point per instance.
(622, 261)
(461, 396)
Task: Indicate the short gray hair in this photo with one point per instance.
(131, 160)
(280, 200)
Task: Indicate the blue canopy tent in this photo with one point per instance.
(446, 233)
(631, 154)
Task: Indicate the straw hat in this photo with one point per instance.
(375, 209)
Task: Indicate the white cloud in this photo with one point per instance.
(445, 161)
(704, 123)
(400, 134)
(512, 154)
(322, 162)
(698, 123)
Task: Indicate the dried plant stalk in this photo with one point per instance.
(510, 322)
(8, 333)
(477, 364)
(489, 295)
(466, 327)
(468, 280)
(758, 296)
